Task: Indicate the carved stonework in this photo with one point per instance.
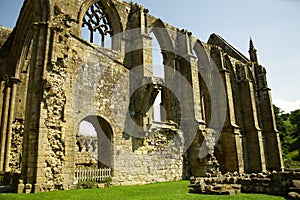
(87, 151)
(96, 20)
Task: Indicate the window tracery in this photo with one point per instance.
(95, 20)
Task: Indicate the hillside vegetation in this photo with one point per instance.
(288, 125)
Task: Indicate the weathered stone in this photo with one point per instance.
(296, 184)
(293, 196)
(273, 184)
(54, 77)
(28, 188)
(21, 187)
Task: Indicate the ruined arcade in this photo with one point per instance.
(67, 63)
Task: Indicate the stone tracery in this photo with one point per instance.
(95, 20)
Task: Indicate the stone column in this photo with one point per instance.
(4, 124)
(231, 142)
(2, 95)
(196, 91)
(34, 142)
(13, 82)
(252, 131)
(190, 101)
(230, 154)
(272, 140)
(169, 98)
(192, 122)
(139, 50)
(141, 61)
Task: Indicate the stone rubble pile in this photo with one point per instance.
(272, 183)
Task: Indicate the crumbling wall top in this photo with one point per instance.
(4, 34)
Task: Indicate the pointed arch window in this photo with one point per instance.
(96, 26)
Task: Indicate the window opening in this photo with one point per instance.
(158, 71)
(94, 142)
(157, 58)
(95, 20)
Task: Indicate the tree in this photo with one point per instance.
(288, 126)
(280, 122)
(295, 120)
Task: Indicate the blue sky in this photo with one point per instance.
(274, 25)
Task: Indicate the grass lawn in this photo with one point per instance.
(171, 190)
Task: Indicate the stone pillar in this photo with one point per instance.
(140, 48)
(196, 91)
(141, 61)
(169, 98)
(272, 140)
(230, 153)
(197, 165)
(141, 54)
(252, 131)
(34, 140)
(140, 44)
(190, 101)
(4, 124)
(20, 188)
(192, 122)
(231, 142)
(13, 82)
(2, 95)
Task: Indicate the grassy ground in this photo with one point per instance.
(164, 191)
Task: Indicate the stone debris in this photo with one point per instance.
(275, 183)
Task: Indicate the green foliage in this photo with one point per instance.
(288, 126)
(281, 127)
(163, 191)
(89, 183)
(295, 120)
(106, 180)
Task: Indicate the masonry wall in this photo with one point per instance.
(56, 78)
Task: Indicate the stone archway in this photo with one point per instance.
(94, 143)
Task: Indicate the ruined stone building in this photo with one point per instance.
(70, 63)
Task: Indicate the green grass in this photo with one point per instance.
(164, 191)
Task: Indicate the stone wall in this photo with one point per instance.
(54, 79)
(159, 158)
(101, 88)
(275, 183)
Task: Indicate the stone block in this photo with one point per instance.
(293, 196)
(28, 188)
(296, 184)
(21, 187)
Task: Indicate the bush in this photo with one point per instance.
(88, 183)
(106, 180)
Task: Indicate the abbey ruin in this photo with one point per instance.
(71, 65)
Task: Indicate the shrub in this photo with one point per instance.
(88, 183)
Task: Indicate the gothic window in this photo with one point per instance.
(95, 25)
